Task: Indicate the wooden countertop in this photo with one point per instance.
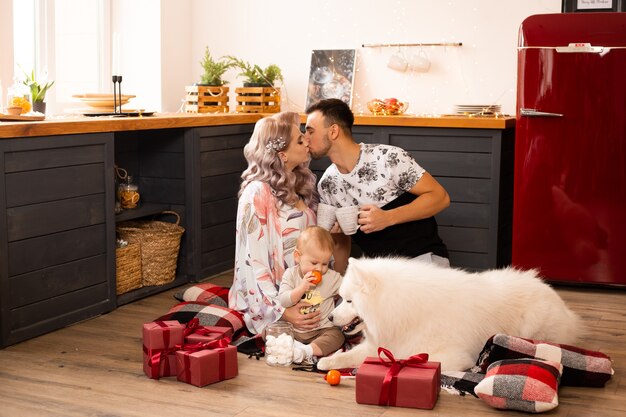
(77, 125)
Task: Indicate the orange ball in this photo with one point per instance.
(333, 377)
(317, 277)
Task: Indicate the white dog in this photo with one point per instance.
(410, 307)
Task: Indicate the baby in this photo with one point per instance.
(314, 249)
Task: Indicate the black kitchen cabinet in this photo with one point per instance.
(476, 168)
(55, 233)
(57, 197)
(217, 152)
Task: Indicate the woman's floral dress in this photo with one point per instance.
(265, 241)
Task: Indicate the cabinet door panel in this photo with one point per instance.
(465, 215)
(55, 307)
(223, 138)
(222, 162)
(219, 187)
(217, 212)
(218, 260)
(56, 280)
(51, 157)
(56, 216)
(471, 261)
(454, 164)
(465, 239)
(218, 236)
(466, 190)
(438, 141)
(53, 184)
(41, 252)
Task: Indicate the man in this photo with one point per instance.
(397, 198)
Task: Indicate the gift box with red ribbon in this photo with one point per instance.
(205, 334)
(202, 364)
(160, 339)
(413, 382)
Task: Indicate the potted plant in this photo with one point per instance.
(254, 75)
(213, 70)
(209, 95)
(258, 94)
(37, 91)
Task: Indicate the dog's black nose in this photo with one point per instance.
(330, 317)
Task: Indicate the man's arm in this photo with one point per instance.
(431, 199)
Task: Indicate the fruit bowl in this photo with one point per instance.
(387, 107)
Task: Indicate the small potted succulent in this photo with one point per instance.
(37, 91)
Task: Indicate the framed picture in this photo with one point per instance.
(593, 6)
(331, 75)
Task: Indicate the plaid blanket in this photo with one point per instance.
(581, 367)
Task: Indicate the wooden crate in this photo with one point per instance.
(206, 99)
(258, 99)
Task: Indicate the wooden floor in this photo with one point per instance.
(94, 369)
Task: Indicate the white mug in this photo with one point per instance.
(326, 215)
(348, 218)
(397, 62)
(419, 62)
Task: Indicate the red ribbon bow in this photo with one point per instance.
(389, 389)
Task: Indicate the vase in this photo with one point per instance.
(39, 106)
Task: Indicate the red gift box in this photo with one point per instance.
(412, 382)
(205, 334)
(160, 339)
(206, 363)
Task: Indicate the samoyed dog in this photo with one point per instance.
(409, 307)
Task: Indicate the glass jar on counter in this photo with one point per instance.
(18, 95)
(279, 344)
(129, 194)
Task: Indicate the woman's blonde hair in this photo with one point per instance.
(270, 136)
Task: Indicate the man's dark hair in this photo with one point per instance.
(334, 111)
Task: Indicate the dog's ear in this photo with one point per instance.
(361, 277)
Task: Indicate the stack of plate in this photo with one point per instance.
(101, 102)
(477, 108)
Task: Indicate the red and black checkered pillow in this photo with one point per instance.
(528, 385)
(205, 293)
(207, 315)
(581, 367)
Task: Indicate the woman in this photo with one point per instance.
(277, 200)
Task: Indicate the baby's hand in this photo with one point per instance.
(306, 283)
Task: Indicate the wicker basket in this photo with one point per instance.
(128, 268)
(160, 243)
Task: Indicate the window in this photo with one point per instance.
(66, 41)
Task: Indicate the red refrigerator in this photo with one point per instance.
(569, 210)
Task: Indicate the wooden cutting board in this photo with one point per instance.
(20, 118)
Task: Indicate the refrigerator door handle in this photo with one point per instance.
(536, 113)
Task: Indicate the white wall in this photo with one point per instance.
(6, 48)
(138, 23)
(285, 32)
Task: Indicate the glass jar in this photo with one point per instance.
(18, 95)
(129, 194)
(279, 344)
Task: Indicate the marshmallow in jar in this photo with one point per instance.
(279, 344)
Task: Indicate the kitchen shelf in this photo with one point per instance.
(145, 209)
